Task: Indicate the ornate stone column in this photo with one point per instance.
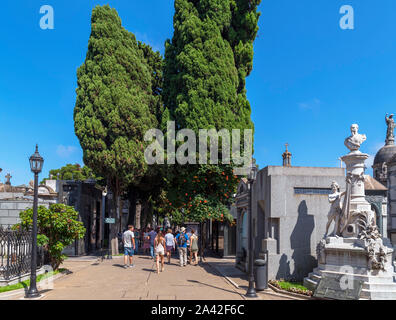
(357, 252)
(354, 199)
(355, 176)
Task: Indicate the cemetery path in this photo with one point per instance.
(92, 279)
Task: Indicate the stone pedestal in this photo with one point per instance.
(346, 259)
(355, 177)
(357, 263)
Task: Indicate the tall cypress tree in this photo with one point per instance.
(115, 105)
(206, 63)
(149, 187)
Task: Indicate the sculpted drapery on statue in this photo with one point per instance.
(390, 136)
(352, 215)
(355, 242)
(340, 211)
(335, 209)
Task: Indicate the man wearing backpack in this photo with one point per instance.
(181, 240)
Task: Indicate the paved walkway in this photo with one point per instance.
(239, 280)
(91, 278)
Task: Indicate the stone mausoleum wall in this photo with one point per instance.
(290, 207)
(11, 204)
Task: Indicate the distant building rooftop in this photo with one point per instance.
(371, 184)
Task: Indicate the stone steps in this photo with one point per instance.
(315, 277)
(310, 284)
(378, 294)
(377, 279)
(375, 286)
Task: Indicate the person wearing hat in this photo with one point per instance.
(181, 240)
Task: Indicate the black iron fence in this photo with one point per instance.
(16, 253)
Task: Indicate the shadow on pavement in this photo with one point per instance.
(228, 270)
(209, 285)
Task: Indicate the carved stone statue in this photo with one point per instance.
(335, 209)
(390, 136)
(355, 140)
(384, 171)
(8, 179)
(356, 242)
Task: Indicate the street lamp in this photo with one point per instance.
(104, 194)
(252, 175)
(36, 165)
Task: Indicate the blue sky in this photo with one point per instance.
(311, 79)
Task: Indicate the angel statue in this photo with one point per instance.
(390, 136)
(335, 209)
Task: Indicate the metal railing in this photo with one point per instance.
(16, 253)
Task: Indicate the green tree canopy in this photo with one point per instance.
(72, 172)
(206, 63)
(115, 105)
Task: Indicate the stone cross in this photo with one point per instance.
(286, 157)
(8, 177)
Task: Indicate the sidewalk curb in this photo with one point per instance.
(227, 278)
(223, 275)
(14, 293)
(276, 292)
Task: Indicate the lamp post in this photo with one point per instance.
(252, 175)
(36, 165)
(104, 194)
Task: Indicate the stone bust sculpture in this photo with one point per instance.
(355, 140)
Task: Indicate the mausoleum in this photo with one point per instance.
(290, 206)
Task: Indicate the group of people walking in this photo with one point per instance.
(160, 244)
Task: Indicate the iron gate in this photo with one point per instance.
(16, 253)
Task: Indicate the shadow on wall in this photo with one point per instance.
(300, 244)
(284, 268)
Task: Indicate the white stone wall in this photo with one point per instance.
(10, 209)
